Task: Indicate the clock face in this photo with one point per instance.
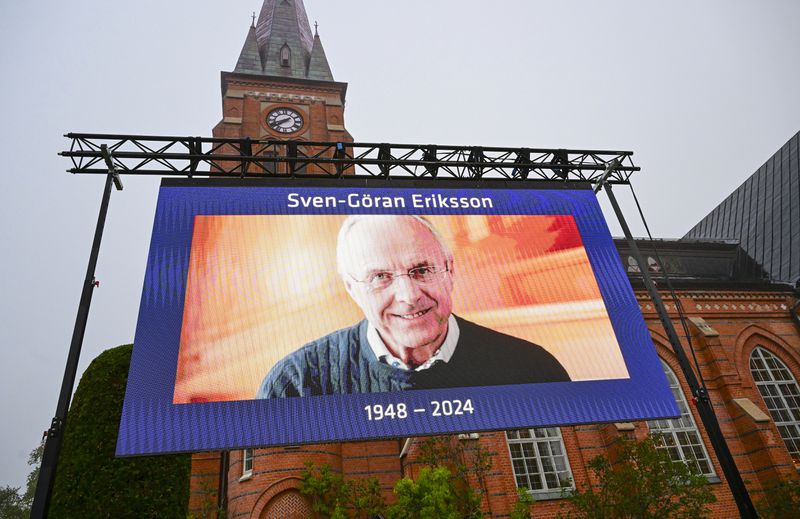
(285, 120)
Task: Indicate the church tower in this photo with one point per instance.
(282, 86)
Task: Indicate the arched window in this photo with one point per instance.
(540, 461)
(781, 394)
(286, 55)
(679, 436)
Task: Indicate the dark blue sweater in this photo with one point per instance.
(343, 362)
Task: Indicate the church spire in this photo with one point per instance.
(283, 44)
(249, 59)
(318, 67)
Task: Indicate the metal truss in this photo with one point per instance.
(247, 158)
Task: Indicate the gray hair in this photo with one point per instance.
(353, 219)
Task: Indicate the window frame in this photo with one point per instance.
(678, 428)
(247, 471)
(546, 492)
(286, 56)
(776, 385)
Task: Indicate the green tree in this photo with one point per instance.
(35, 461)
(366, 498)
(334, 497)
(325, 489)
(782, 500)
(469, 464)
(11, 504)
(15, 505)
(208, 503)
(90, 481)
(453, 485)
(522, 508)
(644, 483)
(430, 496)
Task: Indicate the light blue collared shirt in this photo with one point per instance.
(444, 353)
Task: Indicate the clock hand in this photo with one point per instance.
(281, 121)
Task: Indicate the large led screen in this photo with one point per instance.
(292, 311)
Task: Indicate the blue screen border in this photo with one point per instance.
(151, 424)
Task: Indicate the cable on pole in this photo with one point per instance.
(703, 389)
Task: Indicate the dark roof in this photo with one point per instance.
(693, 262)
(283, 24)
(764, 214)
(318, 67)
(249, 59)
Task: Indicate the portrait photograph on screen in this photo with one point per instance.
(261, 287)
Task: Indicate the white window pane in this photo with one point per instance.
(247, 462)
(781, 394)
(538, 459)
(680, 437)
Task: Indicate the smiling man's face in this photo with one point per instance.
(410, 317)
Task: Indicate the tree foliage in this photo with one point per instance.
(780, 501)
(469, 464)
(208, 506)
(522, 508)
(13, 503)
(430, 496)
(452, 485)
(35, 461)
(90, 481)
(334, 497)
(644, 483)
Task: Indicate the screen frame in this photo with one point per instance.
(151, 423)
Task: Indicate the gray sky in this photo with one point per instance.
(702, 92)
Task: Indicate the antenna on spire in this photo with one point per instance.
(316, 33)
(254, 19)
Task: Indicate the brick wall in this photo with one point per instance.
(742, 320)
(204, 484)
(248, 99)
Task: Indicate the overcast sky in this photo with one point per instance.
(702, 92)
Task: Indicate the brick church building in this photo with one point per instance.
(744, 330)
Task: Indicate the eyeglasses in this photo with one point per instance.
(426, 275)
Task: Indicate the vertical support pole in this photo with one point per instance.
(429, 155)
(561, 156)
(195, 149)
(222, 488)
(523, 157)
(291, 157)
(703, 402)
(339, 154)
(384, 155)
(476, 158)
(246, 151)
(55, 435)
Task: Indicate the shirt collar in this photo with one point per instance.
(443, 354)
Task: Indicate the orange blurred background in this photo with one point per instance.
(259, 287)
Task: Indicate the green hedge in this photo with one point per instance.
(90, 481)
